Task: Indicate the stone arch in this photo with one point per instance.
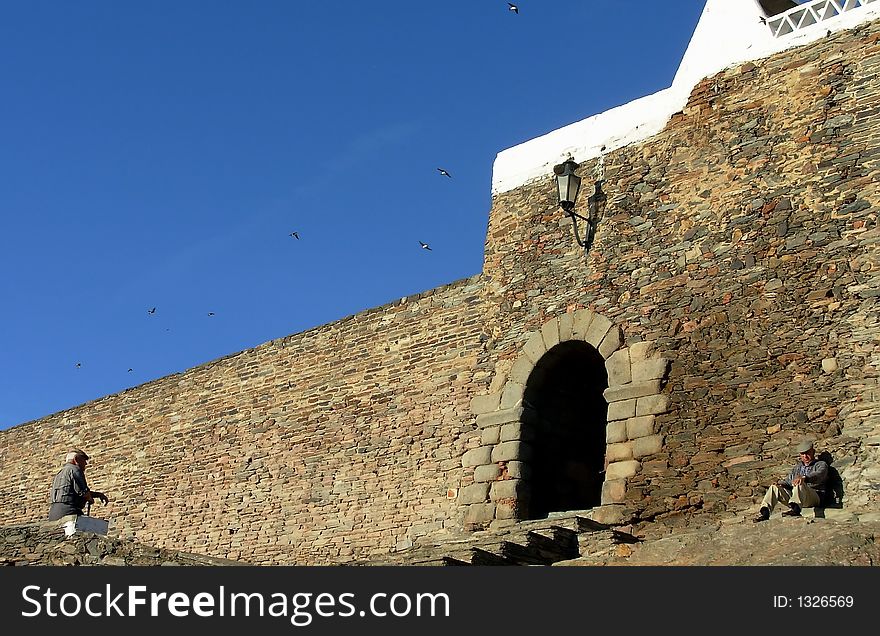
(500, 485)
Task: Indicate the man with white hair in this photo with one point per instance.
(70, 493)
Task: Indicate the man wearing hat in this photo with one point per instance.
(70, 492)
(803, 488)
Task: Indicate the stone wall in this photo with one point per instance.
(734, 280)
(319, 447)
(740, 243)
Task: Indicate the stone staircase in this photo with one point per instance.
(539, 542)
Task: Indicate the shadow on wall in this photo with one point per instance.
(775, 7)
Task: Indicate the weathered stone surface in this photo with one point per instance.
(534, 347)
(613, 491)
(475, 493)
(632, 391)
(637, 427)
(512, 395)
(621, 410)
(618, 452)
(507, 489)
(566, 321)
(615, 432)
(489, 472)
(829, 365)
(644, 446)
(477, 457)
(490, 436)
(621, 470)
(610, 514)
(485, 403)
(520, 371)
(508, 451)
(516, 431)
(479, 513)
(597, 330)
(618, 367)
(611, 342)
(499, 417)
(647, 370)
(550, 334)
(581, 323)
(519, 470)
(639, 351)
(652, 405)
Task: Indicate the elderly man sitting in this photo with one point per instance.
(804, 487)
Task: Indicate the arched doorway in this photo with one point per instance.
(567, 413)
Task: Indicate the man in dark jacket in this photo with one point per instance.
(70, 493)
(804, 487)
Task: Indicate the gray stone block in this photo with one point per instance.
(615, 432)
(645, 446)
(646, 370)
(637, 427)
(479, 513)
(618, 410)
(581, 320)
(506, 489)
(597, 330)
(611, 342)
(499, 417)
(516, 431)
(565, 324)
(521, 370)
(473, 494)
(622, 470)
(550, 334)
(613, 491)
(652, 405)
(485, 403)
(641, 351)
(512, 395)
(632, 391)
(509, 451)
(477, 457)
(519, 470)
(611, 515)
(534, 348)
(619, 368)
(490, 436)
(618, 452)
(489, 472)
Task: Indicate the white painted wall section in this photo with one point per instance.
(729, 33)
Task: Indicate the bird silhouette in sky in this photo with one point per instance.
(151, 311)
(210, 313)
(425, 246)
(762, 19)
(444, 173)
(130, 370)
(78, 365)
(295, 235)
(512, 7)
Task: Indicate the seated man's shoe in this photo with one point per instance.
(763, 515)
(794, 510)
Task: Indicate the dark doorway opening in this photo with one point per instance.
(567, 414)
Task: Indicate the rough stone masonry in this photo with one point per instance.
(732, 292)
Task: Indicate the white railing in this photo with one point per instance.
(811, 13)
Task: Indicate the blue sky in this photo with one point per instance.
(160, 154)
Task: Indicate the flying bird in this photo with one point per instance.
(295, 235)
(425, 246)
(512, 7)
(151, 311)
(444, 173)
(78, 365)
(210, 313)
(762, 19)
(130, 370)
